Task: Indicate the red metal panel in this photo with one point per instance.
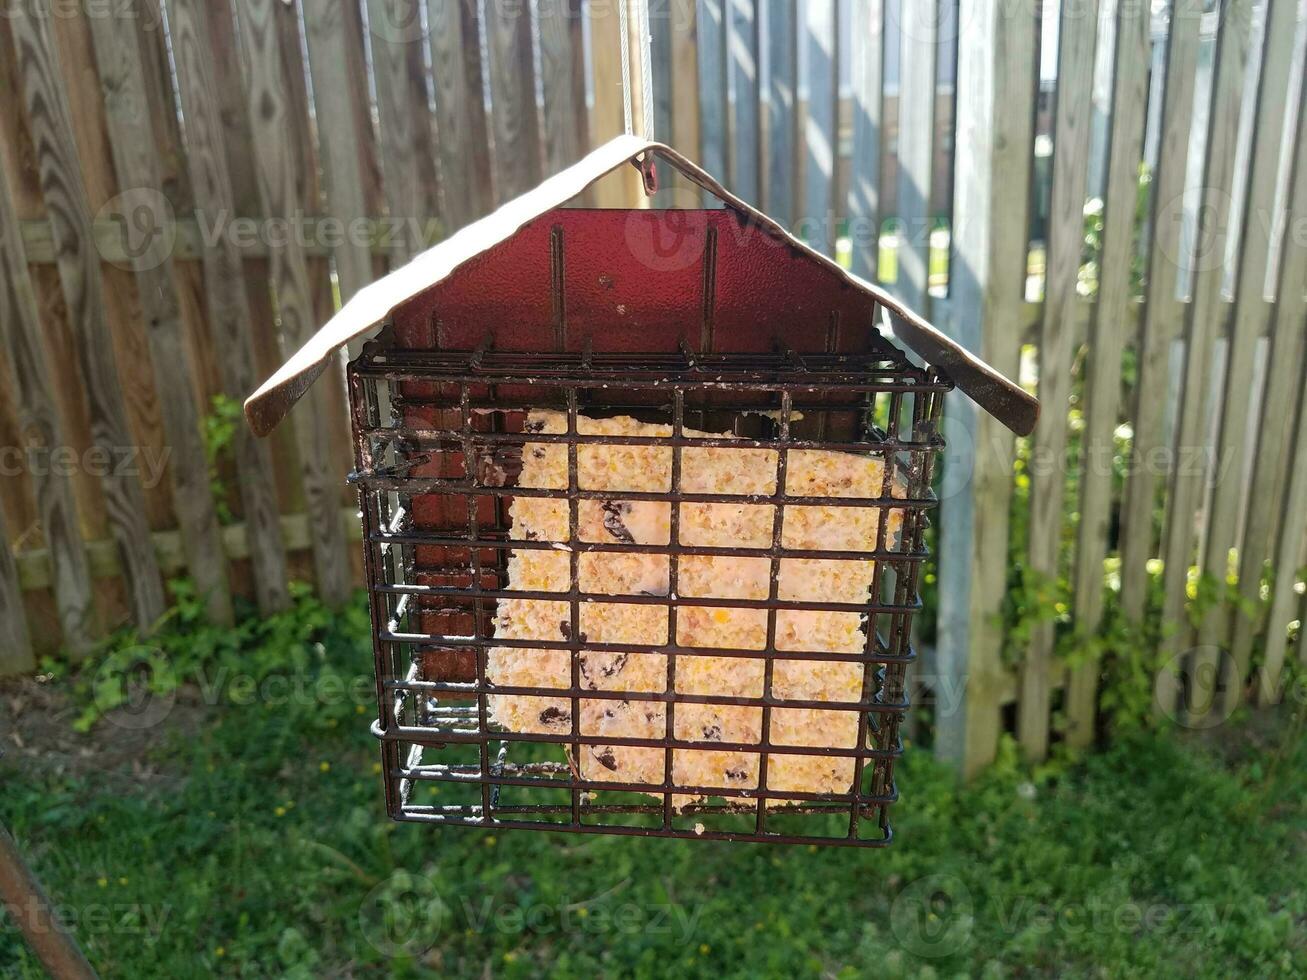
(505, 292)
(636, 280)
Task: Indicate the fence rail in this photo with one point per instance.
(1103, 198)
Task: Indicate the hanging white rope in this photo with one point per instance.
(646, 66)
(624, 27)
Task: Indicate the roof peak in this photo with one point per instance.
(372, 305)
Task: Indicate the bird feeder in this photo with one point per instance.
(643, 496)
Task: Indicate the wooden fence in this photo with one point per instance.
(188, 188)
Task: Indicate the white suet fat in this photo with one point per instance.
(716, 470)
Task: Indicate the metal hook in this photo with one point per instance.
(648, 173)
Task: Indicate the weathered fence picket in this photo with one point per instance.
(1103, 384)
(42, 432)
(512, 92)
(16, 655)
(742, 83)
(269, 106)
(562, 71)
(782, 152)
(1276, 456)
(43, 79)
(460, 113)
(332, 35)
(1205, 311)
(1163, 312)
(818, 34)
(1077, 37)
(921, 41)
(711, 37)
(996, 79)
(225, 293)
(1248, 324)
(135, 154)
(868, 106)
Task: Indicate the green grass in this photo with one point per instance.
(245, 837)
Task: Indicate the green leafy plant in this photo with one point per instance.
(1031, 599)
(1092, 249)
(222, 663)
(1128, 655)
(220, 426)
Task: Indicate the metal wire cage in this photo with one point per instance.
(443, 440)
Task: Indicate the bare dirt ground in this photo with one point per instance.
(37, 732)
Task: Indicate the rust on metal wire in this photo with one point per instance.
(437, 433)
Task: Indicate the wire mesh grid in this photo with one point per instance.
(450, 451)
